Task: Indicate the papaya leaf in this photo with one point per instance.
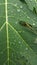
(18, 44)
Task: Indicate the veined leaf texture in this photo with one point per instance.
(18, 44)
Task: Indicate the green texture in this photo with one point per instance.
(18, 44)
(32, 4)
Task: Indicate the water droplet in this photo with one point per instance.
(19, 42)
(14, 40)
(15, 22)
(34, 18)
(35, 41)
(18, 10)
(30, 0)
(12, 54)
(25, 13)
(4, 64)
(23, 31)
(11, 11)
(20, 52)
(13, 43)
(15, 4)
(21, 6)
(28, 17)
(35, 0)
(20, 15)
(19, 31)
(33, 23)
(1, 52)
(26, 48)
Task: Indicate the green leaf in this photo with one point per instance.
(18, 44)
(32, 4)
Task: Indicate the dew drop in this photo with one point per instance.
(26, 48)
(4, 64)
(33, 23)
(19, 31)
(12, 54)
(21, 6)
(20, 15)
(18, 10)
(25, 13)
(19, 42)
(30, 0)
(23, 31)
(15, 22)
(13, 43)
(11, 11)
(28, 17)
(1, 52)
(15, 4)
(35, 0)
(14, 40)
(20, 52)
(35, 41)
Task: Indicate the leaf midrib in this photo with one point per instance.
(7, 31)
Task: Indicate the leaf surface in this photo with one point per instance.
(18, 44)
(32, 4)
